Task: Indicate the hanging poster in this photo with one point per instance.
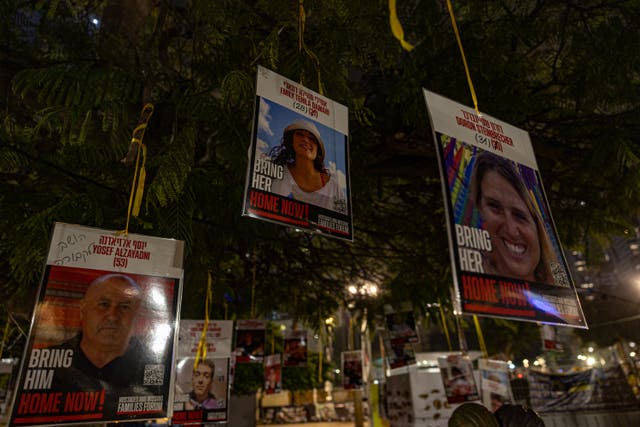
(250, 339)
(401, 324)
(295, 348)
(272, 374)
(298, 169)
(495, 386)
(550, 339)
(457, 377)
(352, 371)
(202, 391)
(399, 352)
(101, 343)
(505, 252)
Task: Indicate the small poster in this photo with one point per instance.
(101, 343)
(250, 339)
(495, 386)
(457, 377)
(295, 348)
(550, 340)
(272, 374)
(399, 353)
(298, 170)
(402, 325)
(8, 371)
(352, 370)
(506, 256)
(202, 391)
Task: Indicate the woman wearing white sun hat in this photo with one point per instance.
(306, 178)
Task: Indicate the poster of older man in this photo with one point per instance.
(100, 347)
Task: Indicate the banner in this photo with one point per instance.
(495, 387)
(295, 348)
(202, 393)
(352, 371)
(250, 339)
(101, 343)
(590, 390)
(273, 374)
(298, 170)
(457, 377)
(505, 253)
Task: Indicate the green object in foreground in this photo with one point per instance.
(472, 415)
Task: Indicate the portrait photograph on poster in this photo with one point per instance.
(298, 172)
(506, 256)
(202, 392)
(249, 341)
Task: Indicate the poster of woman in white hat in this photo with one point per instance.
(298, 172)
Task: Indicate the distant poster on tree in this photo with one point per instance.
(295, 348)
(202, 390)
(101, 344)
(273, 373)
(505, 253)
(250, 338)
(298, 170)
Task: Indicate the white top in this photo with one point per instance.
(329, 197)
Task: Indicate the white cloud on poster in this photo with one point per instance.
(264, 118)
(339, 175)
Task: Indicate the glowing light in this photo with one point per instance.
(632, 354)
(525, 363)
(591, 361)
(352, 289)
(95, 21)
(159, 338)
(590, 349)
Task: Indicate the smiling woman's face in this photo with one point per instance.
(514, 236)
(305, 144)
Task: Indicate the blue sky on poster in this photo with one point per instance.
(273, 118)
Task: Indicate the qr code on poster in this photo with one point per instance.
(153, 375)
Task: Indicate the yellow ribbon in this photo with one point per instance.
(483, 346)
(301, 22)
(201, 353)
(396, 27)
(444, 326)
(5, 336)
(137, 186)
(321, 353)
(464, 59)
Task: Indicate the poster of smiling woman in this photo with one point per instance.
(298, 170)
(505, 252)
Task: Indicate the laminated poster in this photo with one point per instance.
(457, 377)
(295, 348)
(202, 392)
(298, 169)
(352, 369)
(399, 352)
(495, 386)
(250, 340)
(505, 252)
(101, 343)
(402, 326)
(273, 373)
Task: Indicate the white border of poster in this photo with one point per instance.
(188, 408)
(271, 193)
(463, 140)
(100, 280)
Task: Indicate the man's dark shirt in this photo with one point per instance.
(123, 376)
